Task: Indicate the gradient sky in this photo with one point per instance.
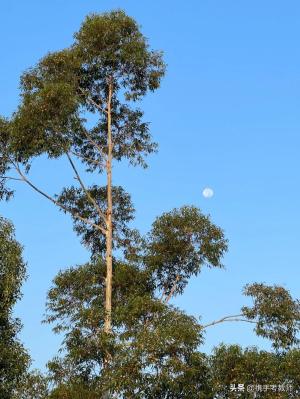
(226, 116)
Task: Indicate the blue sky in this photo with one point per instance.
(227, 116)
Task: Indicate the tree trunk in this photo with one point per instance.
(108, 288)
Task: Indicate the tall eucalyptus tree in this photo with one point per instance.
(80, 103)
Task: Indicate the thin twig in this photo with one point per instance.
(10, 178)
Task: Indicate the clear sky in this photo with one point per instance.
(227, 117)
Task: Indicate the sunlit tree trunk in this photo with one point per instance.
(108, 288)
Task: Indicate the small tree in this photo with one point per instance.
(14, 359)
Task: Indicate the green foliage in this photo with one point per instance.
(153, 345)
(14, 360)
(291, 369)
(77, 201)
(252, 367)
(111, 44)
(5, 193)
(77, 294)
(75, 390)
(276, 312)
(153, 348)
(12, 267)
(61, 91)
(180, 243)
(33, 386)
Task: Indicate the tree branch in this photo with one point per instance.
(10, 178)
(228, 318)
(172, 289)
(66, 209)
(89, 196)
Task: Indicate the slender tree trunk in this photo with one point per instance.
(108, 290)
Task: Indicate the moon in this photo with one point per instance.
(208, 192)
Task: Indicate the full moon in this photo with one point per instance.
(208, 192)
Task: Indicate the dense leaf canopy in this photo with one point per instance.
(276, 312)
(14, 360)
(180, 243)
(259, 372)
(65, 88)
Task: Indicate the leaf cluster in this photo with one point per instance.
(276, 312)
(14, 359)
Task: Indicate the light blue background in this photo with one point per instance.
(227, 116)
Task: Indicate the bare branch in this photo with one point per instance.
(89, 196)
(62, 206)
(236, 318)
